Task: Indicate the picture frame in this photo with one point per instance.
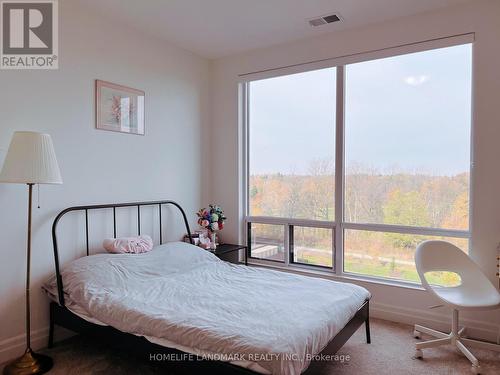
(119, 108)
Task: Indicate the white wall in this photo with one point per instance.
(97, 166)
(480, 17)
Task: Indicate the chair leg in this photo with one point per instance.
(429, 331)
(462, 332)
(481, 344)
(433, 343)
(467, 353)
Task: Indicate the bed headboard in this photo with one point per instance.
(112, 206)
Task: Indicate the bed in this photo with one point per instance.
(182, 305)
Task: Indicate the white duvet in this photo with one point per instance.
(187, 296)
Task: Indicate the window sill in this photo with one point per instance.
(346, 277)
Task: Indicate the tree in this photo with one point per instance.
(405, 208)
(459, 215)
(318, 190)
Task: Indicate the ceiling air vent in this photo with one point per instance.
(323, 20)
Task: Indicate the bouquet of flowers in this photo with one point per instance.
(212, 218)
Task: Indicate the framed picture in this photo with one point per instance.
(119, 108)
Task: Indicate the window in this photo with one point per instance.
(389, 255)
(310, 245)
(291, 171)
(404, 160)
(407, 155)
(407, 152)
(267, 242)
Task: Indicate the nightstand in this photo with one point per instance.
(230, 252)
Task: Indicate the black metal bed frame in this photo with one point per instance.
(62, 316)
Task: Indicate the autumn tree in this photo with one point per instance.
(405, 208)
(459, 215)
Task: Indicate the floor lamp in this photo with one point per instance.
(30, 160)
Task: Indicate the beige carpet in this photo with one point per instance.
(390, 353)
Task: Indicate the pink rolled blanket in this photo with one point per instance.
(130, 245)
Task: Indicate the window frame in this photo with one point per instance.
(291, 244)
(338, 226)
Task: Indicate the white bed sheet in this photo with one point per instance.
(183, 297)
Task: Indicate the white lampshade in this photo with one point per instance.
(31, 159)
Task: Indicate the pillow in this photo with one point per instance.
(130, 245)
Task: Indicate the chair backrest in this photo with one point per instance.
(438, 255)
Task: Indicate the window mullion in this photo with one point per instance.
(245, 157)
(287, 244)
(339, 171)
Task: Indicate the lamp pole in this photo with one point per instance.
(28, 269)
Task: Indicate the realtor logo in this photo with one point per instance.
(29, 34)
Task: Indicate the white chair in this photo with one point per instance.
(475, 292)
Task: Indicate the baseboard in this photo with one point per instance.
(14, 346)
(475, 328)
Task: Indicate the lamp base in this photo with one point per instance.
(28, 364)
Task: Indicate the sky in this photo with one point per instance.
(409, 113)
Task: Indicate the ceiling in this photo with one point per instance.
(217, 28)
